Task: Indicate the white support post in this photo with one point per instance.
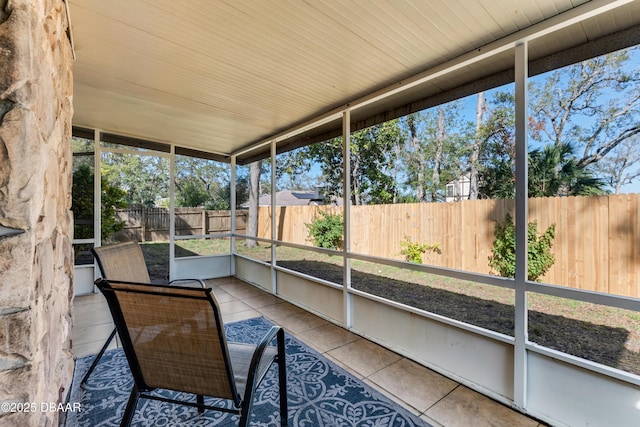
(346, 208)
(521, 221)
(172, 213)
(97, 199)
(274, 273)
(232, 220)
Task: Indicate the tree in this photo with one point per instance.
(554, 171)
(111, 198)
(415, 160)
(201, 182)
(292, 171)
(191, 194)
(622, 165)
(496, 141)
(373, 157)
(595, 105)
(242, 190)
(474, 158)
(143, 177)
(436, 150)
(254, 194)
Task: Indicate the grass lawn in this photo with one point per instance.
(601, 334)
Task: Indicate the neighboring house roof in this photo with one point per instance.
(291, 198)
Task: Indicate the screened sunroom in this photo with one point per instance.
(272, 97)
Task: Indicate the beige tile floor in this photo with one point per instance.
(435, 398)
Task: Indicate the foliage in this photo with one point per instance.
(143, 177)
(293, 171)
(112, 198)
(622, 165)
(413, 251)
(554, 171)
(496, 168)
(594, 104)
(191, 195)
(539, 259)
(435, 151)
(326, 230)
(373, 164)
(202, 182)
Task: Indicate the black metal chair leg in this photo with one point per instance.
(97, 359)
(200, 401)
(131, 407)
(245, 413)
(282, 380)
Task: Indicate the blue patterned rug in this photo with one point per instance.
(320, 394)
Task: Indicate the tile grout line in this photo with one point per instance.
(458, 385)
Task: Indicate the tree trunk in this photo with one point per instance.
(415, 145)
(481, 107)
(397, 149)
(254, 193)
(355, 184)
(437, 156)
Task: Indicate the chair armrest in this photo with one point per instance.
(267, 338)
(254, 377)
(188, 280)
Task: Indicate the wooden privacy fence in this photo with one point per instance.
(596, 245)
(152, 224)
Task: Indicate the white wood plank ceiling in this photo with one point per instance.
(220, 76)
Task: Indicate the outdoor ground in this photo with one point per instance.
(601, 334)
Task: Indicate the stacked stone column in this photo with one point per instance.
(36, 262)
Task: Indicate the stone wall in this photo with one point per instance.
(36, 263)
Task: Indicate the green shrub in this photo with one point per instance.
(112, 198)
(325, 231)
(413, 251)
(540, 258)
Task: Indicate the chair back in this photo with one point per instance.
(173, 337)
(122, 261)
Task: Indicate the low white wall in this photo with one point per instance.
(83, 278)
(202, 267)
(579, 397)
(317, 298)
(253, 272)
(480, 362)
(559, 393)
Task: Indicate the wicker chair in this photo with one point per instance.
(122, 261)
(174, 339)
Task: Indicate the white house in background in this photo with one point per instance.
(458, 189)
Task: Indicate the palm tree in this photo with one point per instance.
(554, 171)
